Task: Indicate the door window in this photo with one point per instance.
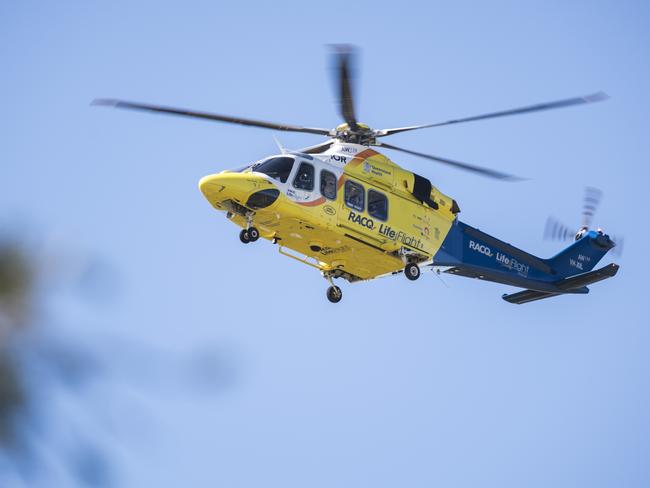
(328, 184)
(304, 179)
(377, 205)
(354, 195)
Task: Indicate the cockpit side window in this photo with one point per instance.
(328, 184)
(277, 168)
(354, 195)
(304, 179)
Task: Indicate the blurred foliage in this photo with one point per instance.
(16, 280)
(32, 365)
(15, 292)
(39, 362)
(12, 397)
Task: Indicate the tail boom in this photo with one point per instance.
(469, 252)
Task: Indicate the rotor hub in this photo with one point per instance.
(363, 134)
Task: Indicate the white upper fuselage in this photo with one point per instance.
(333, 160)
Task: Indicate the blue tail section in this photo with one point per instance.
(467, 251)
(582, 255)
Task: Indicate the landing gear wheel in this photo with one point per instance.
(334, 294)
(412, 271)
(244, 237)
(253, 234)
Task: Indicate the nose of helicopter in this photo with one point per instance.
(239, 187)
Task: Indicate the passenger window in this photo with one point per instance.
(304, 179)
(277, 168)
(328, 184)
(377, 205)
(354, 195)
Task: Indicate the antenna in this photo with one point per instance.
(282, 149)
(437, 272)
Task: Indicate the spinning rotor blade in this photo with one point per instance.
(207, 116)
(318, 148)
(596, 97)
(457, 164)
(343, 63)
(593, 196)
(557, 231)
(618, 249)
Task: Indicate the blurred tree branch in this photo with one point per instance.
(16, 281)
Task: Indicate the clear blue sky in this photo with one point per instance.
(401, 384)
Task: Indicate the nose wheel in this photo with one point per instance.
(412, 271)
(249, 235)
(253, 234)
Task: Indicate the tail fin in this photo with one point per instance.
(582, 255)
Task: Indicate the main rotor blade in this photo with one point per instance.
(592, 199)
(318, 148)
(344, 64)
(596, 97)
(457, 164)
(208, 116)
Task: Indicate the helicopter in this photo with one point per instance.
(350, 212)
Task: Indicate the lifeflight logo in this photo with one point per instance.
(361, 220)
(507, 262)
(385, 230)
(483, 249)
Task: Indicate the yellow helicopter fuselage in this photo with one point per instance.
(350, 211)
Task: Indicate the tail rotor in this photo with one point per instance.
(555, 230)
(618, 250)
(593, 196)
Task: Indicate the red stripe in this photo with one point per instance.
(358, 159)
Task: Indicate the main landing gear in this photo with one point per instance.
(410, 259)
(412, 271)
(334, 293)
(249, 235)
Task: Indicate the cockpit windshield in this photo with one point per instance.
(277, 168)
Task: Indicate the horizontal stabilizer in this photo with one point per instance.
(575, 284)
(588, 278)
(527, 296)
